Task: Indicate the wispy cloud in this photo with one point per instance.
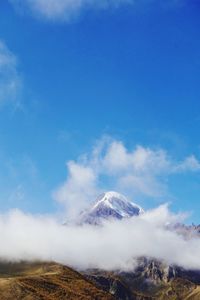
(10, 78)
(19, 181)
(64, 9)
(110, 165)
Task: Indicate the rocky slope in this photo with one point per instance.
(151, 280)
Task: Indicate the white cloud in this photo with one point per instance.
(190, 163)
(115, 245)
(10, 79)
(140, 160)
(63, 9)
(79, 188)
(110, 165)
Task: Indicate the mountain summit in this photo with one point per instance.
(110, 205)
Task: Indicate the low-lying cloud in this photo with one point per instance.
(113, 246)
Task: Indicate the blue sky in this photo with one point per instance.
(130, 73)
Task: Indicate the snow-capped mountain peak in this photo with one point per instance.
(117, 202)
(110, 205)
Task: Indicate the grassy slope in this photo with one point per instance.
(46, 281)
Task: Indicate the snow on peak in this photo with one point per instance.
(119, 203)
(110, 197)
(111, 205)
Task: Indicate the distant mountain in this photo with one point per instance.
(110, 205)
(188, 231)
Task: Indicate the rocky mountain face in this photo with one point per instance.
(110, 205)
(188, 231)
(151, 280)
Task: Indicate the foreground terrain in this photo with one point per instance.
(150, 281)
(46, 281)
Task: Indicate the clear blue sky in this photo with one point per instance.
(131, 72)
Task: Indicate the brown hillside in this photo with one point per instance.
(48, 281)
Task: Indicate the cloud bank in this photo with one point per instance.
(113, 246)
(10, 79)
(111, 165)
